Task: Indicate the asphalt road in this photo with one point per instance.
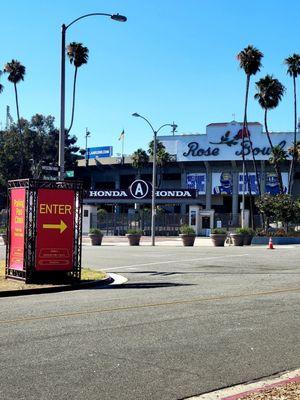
(189, 320)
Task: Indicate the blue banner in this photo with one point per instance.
(252, 181)
(99, 152)
(196, 181)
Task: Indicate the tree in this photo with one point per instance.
(139, 160)
(293, 69)
(1, 86)
(162, 157)
(16, 73)
(78, 55)
(39, 142)
(250, 62)
(279, 208)
(269, 93)
(278, 155)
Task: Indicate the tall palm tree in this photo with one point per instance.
(16, 72)
(140, 159)
(78, 55)
(269, 93)
(162, 158)
(250, 61)
(1, 86)
(293, 69)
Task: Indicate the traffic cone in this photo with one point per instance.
(271, 247)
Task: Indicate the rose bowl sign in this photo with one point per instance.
(140, 190)
(224, 142)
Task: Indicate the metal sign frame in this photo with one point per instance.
(31, 186)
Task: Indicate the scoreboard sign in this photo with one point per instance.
(55, 230)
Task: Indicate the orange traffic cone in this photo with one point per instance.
(271, 247)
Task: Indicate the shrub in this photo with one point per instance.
(218, 231)
(96, 231)
(134, 232)
(245, 231)
(280, 233)
(187, 230)
(3, 230)
(101, 212)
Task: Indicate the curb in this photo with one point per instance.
(262, 388)
(56, 289)
(245, 389)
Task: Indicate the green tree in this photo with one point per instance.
(140, 159)
(16, 72)
(278, 155)
(293, 69)
(279, 208)
(162, 157)
(250, 61)
(78, 55)
(269, 93)
(40, 146)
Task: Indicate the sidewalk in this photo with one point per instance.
(285, 386)
(146, 241)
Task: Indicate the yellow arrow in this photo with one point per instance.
(62, 226)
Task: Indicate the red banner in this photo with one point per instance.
(17, 228)
(55, 230)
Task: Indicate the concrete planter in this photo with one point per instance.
(188, 240)
(96, 240)
(264, 240)
(237, 239)
(247, 239)
(133, 239)
(218, 239)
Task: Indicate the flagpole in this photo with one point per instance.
(123, 137)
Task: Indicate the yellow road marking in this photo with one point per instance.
(141, 306)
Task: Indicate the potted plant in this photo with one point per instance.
(187, 235)
(237, 237)
(96, 236)
(3, 234)
(218, 236)
(248, 234)
(134, 236)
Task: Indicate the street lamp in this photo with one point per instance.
(61, 145)
(87, 135)
(155, 132)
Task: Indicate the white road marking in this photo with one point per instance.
(174, 261)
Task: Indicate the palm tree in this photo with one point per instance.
(162, 157)
(16, 72)
(293, 69)
(78, 55)
(250, 62)
(139, 160)
(1, 86)
(269, 93)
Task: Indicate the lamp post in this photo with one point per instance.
(87, 135)
(61, 145)
(155, 132)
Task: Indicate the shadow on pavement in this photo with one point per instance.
(143, 285)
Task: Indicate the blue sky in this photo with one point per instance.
(171, 61)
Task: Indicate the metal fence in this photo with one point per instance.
(118, 224)
(112, 224)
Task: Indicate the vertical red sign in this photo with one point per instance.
(55, 230)
(17, 228)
